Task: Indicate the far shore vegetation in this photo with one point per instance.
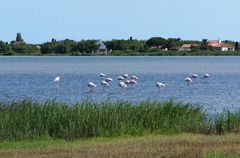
(119, 129)
(155, 46)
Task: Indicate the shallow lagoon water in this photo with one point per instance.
(32, 77)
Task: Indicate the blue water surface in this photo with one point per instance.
(32, 77)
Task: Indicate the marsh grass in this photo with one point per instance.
(32, 120)
(26, 120)
(227, 122)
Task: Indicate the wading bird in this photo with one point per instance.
(122, 85)
(160, 85)
(205, 76)
(132, 82)
(57, 79)
(108, 80)
(125, 76)
(91, 85)
(127, 82)
(102, 75)
(134, 78)
(120, 78)
(104, 84)
(194, 76)
(189, 80)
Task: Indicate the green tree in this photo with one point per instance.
(156, 41)
(117, 45)
(65, 47)
(24, 49)
(125, 45)
(19, 38)
(195, 48)
(54, 40)
(58, 47)
(135, 45)
(87, 46)
(61, 48)
(48, 48)
(236, 45)
(172, 43)
(5, 49)
(204, 45)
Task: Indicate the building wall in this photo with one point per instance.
(185, 49)
(224, 49)
(102, 51)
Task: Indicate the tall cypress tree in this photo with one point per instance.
(236, 45)
(19, 38)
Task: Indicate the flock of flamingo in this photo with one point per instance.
(124, 80)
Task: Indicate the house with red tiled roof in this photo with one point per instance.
(218, 45)
(187, 47)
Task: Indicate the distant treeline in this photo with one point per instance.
(90, 47)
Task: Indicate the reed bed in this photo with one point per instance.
(32, 120)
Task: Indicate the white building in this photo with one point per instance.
(218, 45)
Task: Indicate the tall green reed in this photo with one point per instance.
(31, 120)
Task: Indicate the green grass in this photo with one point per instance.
(27, 120)
(31, 120)
(219, 155)
(185, 145)
(35, 144)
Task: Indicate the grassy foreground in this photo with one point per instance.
(120, 129)
(181, 145)
(27, 120)
(31, 120)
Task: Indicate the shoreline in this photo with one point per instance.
(132, 53)
(120, 56)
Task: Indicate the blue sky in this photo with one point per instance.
(41, 20)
